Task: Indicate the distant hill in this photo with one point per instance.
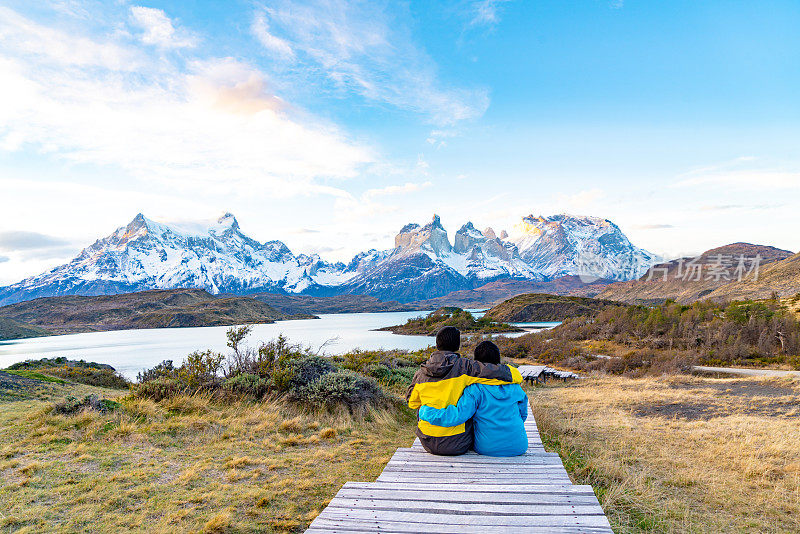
(676, 280)
(535, 307)
(450, 316)
(782, 277)
(11, 329)
(495, 292)
(293, 304)
(144, 309)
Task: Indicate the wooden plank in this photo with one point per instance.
(530, 462)
(422, 518)
(333, 526)
(472, 508)
(477, 478)
(491, 472)
(421, 456)
(481, 488)
(550, 479)
(514, 460)
(473, 454)
(531, 498)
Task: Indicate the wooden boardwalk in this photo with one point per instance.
(421, 492)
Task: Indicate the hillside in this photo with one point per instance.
(496, 292)
(450, 316)
(145, 309)
(534, 307)
(294, 304)
(781, 276)
(11, 329)
(675, 280)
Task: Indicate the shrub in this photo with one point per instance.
(295, 373)
(72, 405)
(158, 389)
(107, 378)
(260, 361)
(200, 369)
(384, 374)
(340, 387)
(248, 384)
(162, 370)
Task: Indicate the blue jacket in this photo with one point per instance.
(499, 415)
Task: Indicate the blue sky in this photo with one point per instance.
(331, 124)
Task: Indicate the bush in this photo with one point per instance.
(248, 385)
(159, 389)
(295, 373)
(400, 376)
(282, 367)
(164, 369)
(200, 370)
(340, 387)
(107, 378)
(72, 405)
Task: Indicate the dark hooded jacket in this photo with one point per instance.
(439, 383)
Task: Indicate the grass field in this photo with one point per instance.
(183, 465)
(681, 454)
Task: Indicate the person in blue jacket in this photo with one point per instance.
(498, 412)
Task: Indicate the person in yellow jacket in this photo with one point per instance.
(439, 383)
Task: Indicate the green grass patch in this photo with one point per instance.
(33, 375)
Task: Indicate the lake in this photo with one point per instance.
(130, 351)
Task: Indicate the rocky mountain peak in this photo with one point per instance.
(430, 239)
(227, 220)
(466, 238)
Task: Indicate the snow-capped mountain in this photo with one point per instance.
(145, 254)
(218, 257)
(561, 245)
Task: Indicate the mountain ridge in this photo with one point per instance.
(218, 257)
(679, 281)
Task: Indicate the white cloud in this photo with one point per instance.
(159, 29)
(205, 123)
(55, 47)
(361, 47)
(277, 45)
(581, 200)
(743, 173)
(408, 187)
(652, 226)
(485, 12)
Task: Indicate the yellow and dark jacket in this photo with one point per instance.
(439, 383)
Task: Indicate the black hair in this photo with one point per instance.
(487, 352)
(448, 338)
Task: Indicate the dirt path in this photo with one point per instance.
(746, 372)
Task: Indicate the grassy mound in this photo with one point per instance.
(533, 307)
(82, 372)
(450, 316)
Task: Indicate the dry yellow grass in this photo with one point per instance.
(185, 465)
(681, 454)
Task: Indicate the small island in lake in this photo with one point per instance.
(450, 316)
